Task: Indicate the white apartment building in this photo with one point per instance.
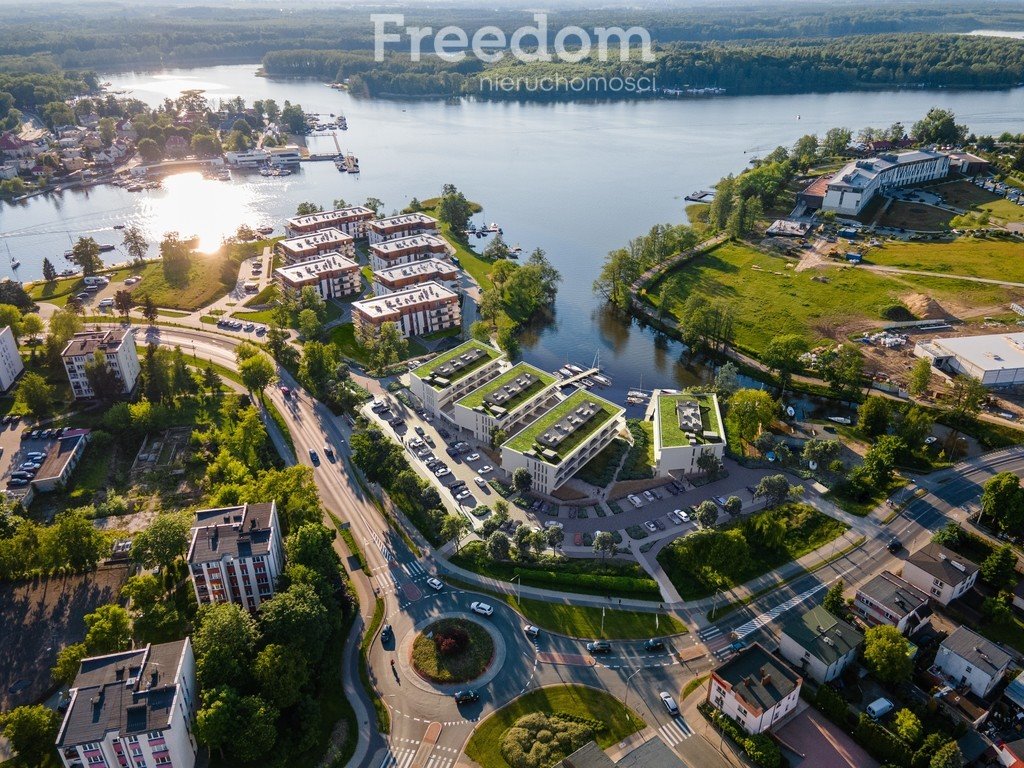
(853, 187)
(507, 402)
(423, 309)
(403, 225)
(306, 247)
(686, 425)
(404, 276)
(940, 572)
(236, 555)
(888, 599)
(11, 364)
(819, 645)
(557, 445)
(117, 346)
(351, 220)
(331, 275)
(132, 709)
(406, 250)
(970, 660)
(249, 158)
(755, 688)
(440, 381)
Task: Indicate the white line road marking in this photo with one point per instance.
(398, 758)
(769, 616)
(675, 731)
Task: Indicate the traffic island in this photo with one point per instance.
(452, 650)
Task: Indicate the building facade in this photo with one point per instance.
(118, 348)
(446, 378)
(398, 278)
(755, 688)
(236, 555)
(507, 402)
(941, 573)
(426, 308)
(404, 225)
(852, 188)
(970, 660)
(406, 250)
(686, 426)
(11, 364)
(351, 220)
(331, 275)
(132, 709)
(819, 645)
(324, 241)
(888, 599)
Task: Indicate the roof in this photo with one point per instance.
(977, 651)
(455, 364)
(328, 236)
(1015, 690)
(351, 213)
(899, 597)
(688, 418)
(236, 532)
(503, 394)
(651, 754)
(758, 677)
(10, 142)
(58, 457)
(404, 220)
(394, 304)
(412, 243)
(859, 173)
(989, 352)
(588, 756)
(90, 342)
(818, 187)
(826, 637)
(302, 271)
(424, 269)
(557, 433)
(128, 692)
(944, 564)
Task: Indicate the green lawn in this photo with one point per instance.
(344, 338)
(1005, 210)
(458, 667)
(916, 216)
(969, 256)
(472, 262)
(585, 621)
(768, 298)
(526, 439)
(60, 290)
(210, 276)
(476, 397)
(600, 470)
(575, 700)
(864, 507)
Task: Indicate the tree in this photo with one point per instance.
(31, 325)
(820, 451)
(32, 732)
(964, 398)
(907, 726)
(727, 380)
(604, 544)
(497, 249)
(522, 538)
(69, 659)
(149, 150)
(281, 673)
(887, 654)
(842, 369)
(948, 756)
(836, 141)
(108, 630)
(939, 127)
(454, 209)
(49, 271)
(834, 602)
(164, 541)
(149, 309)
(706, 514)
(556, 537)
(783, 356)
(307, 208)
(522, 480)
(257, 372)
(454, 527)
(309, 324)
(920, 377)
(1000, 568)
(34, 394)
(64, 324)
(374, 204)
(753, 410)
(123, 302)
(86, 254)
(135, 244)
(498, 546)
(733, 505)
(950, 535)
(224, 641)
(775, 489)
(932, 743)
(298, 618)
(879, 462)
(386, 346)
(873, 416)
(1002, 502)
(102, 378)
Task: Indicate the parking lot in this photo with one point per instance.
(24, 451)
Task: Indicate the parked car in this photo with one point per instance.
(479, 481)
(442, 472)
(21, 475)
(599, 646)
(482, 608)
(648, 495)
(466, 697)
(684, 515)
(473, 457)
(419, 431)
(675, 517)
(461, 495)
(435, 584)
(650, 526)
(485, 469)
(879, 708)
(17, 482)
(30, 466)
(553, 524)
(736, 646)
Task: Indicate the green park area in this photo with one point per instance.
(768, 297)
(208, 277)
(471, 261)
(544, 726)
(989, 258)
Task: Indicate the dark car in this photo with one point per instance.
(894, 545)
(314, 458)
(599, 646)
(736, 646)
(386, 633)
(466, 697)
(654, 644)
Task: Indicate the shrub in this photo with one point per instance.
(538, 740)
(831, 704)
(897, 313)
(762, 751)
(880, 743)
(451, 641)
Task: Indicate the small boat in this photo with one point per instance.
(604, 381)
(635, 400)
(586, 383)
(15, 263)
(574, 368)
(106, 248)
(840, 420)
(636, 393)
(119, 226)
(265, 230)
(565, 372)
(265, 172)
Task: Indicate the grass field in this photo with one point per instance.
(469, 259)
(969, 256)
(589, 703)
(59, 291)
(1004, 210)
(210, 276)
(768, 299)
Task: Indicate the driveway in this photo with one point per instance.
(816, 742)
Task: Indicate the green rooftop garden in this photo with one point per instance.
(526, 439)
(476, 397)
(671, 434)
(428, 368)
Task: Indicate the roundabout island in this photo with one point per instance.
(452, 650)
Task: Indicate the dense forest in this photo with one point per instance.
(878, 61)
(109, 36)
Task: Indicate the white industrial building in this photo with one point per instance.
(853, 187)
(995, 359)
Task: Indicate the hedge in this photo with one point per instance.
(761, 750)
(881, 744)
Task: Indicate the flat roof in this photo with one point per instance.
(430, 368)
(686, 416)
(758, 677)
(329, 236)
(857, 173)
(403, 220)
(352, 212)
(404, 299)
(422, 268)
(989, 352)
(514, 387)
(595, 412)
(409, 243)
(308, 270)
(826, 637)
(88, 342)
(58, 456)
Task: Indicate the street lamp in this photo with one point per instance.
(628, 681)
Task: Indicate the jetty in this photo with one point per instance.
(700, 196)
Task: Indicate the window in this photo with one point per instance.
(968, 669)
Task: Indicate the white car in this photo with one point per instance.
(473, 457)
(462, 494)
(442, 472)
(669, 702)
(482, 608)
(435, 584)
(479, 481)
(485, 469)
(532, 631)
(553, 524)
(684, 515)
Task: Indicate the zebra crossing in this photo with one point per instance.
(675, 731)
(402, 758)
(385, 550)
(709, 633)
(439, 761)
(769, 616)
(414, 569)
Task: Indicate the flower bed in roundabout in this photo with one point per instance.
(452, 651)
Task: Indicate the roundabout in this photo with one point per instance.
(452, 650)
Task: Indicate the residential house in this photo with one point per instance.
(118, 348)
(755, 688)
(406, 250)
(507, 402)
(940, 572)
(351, 220)
(404, 225)
(405, 276)
(454, 373)
(306, 247)
(330, 275)
(968, 659)
(819, 645)
(423, 309)
(888, 599)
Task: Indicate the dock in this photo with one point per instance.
(700, 196)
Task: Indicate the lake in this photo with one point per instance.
(576, 179)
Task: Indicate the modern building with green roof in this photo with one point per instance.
(507, 401)
(557, 444)
(686, 425)
(453, 374)
(818, 644)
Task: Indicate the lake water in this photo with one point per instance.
(576, 179)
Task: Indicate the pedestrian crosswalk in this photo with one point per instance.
(709, 633)
(402, 758)
(675, 731)
(386, 580)
(414, 569)
(440, 761)
(385, 550)
(769, 616)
